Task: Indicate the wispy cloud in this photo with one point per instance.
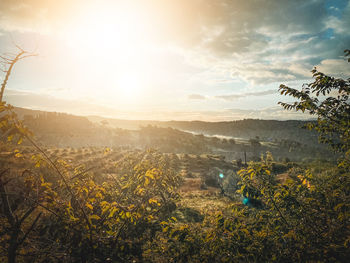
(335, 67)
(248, 94)
(48, 103)
(196, 97)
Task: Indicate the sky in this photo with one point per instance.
(210, 60)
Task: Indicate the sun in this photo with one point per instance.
(129, 86)
(119, 41)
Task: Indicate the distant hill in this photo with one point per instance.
(267, 130)
(285, 139)
(21, 112)
(125, 124)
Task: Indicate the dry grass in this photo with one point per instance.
(204, 201)
(191, 184)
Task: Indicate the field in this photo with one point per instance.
(156, 203)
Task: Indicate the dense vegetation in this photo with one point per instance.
(98, 204)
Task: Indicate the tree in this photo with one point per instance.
(328, 99)
(295, 209)
(10, 125)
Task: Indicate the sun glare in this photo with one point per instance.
(119, 42)
(129, 86)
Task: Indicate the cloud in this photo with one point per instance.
(40, 16)
(42, 101)
(257, 42)
(242, 95)
(48, 103)
(335, 67)
(340, 24)
(196, 97)
(271, 41)
(270, 113)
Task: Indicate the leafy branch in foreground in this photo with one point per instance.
(306, 213)
(328, 99)
(54, 212)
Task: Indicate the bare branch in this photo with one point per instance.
(5, 201)
(11, 60)
(30, 229)
(26, 214)
(63, 179)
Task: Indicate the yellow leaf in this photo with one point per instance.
(103, 203)
(18, 155)
(89, 206)
(107, 150)
(73, 218)
(122, 214)
(261, 234)
(146, 181)
(245, 231)
(151, 201)
(149, 174)
(96, 217)
(110, 232)
(3, 124)
(112, 212)
(104, 209)
(338, 206)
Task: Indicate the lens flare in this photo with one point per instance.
(245, 201)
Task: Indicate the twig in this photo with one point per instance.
(30, 229)
(6, 202)
(62, 177)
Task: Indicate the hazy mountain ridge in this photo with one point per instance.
(248, 128)
(285, 139)
(268, 130)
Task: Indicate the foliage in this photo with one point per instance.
(332, 111)
(305, 215)
(81, 216)
(304, 218)
(12, 129)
